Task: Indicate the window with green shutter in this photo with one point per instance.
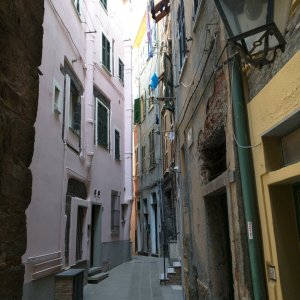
(102, 122)
(152, 148)
(75, 109)
(121, 70)
(77, 6)
(117, 145)
(105, 52)
(104, 3)
(137, 111)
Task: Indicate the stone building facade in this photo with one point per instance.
(218, 235)
(79, 216)
(214, 253)
(21, 35)
(147, 149)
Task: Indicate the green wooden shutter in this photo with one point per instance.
(103, 49)
(104, 2)
(117, 144)
(108, 54)
(137, 111)
(102, 135)
(77, 116)
(105, 52)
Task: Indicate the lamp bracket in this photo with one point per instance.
(266, 55)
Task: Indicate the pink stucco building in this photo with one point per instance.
(79, 215)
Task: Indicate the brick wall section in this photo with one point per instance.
(21, 35)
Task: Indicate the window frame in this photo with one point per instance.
(106, 53)
(77, 5)
(121, 70)
(74, 126)
(100, 142)
(196, 6)
(115, 208)
(181, 34)
(71, 79)
(152, 149)
(104, 4)
(117, 145)
(57, 101)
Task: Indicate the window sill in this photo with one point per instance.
(106, 70)
(75, 132)
(103, 146)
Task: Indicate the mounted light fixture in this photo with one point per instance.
(255, 27)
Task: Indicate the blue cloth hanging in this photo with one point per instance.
(154, 81)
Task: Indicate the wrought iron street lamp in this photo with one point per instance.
(255, 27)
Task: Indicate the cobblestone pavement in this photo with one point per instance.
(137, 279)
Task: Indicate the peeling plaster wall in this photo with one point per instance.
(21, 36)
(203, 110)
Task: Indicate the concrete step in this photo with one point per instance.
(94, 270)
(97, 278)
(171, 271)
(176, 264)
(163, 278)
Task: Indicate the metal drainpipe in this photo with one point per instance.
(248, 184)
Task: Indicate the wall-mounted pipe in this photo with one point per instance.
(248, 184)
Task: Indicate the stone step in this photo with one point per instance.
(176, 264)
(97, 278)
(94, 270)
(163, 278)
(171, 271)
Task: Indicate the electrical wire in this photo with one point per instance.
(243, 146)
(187, 85)
(183, 112)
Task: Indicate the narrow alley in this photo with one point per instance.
(137, 279)
(150, 150)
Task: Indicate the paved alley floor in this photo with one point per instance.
(137, 279)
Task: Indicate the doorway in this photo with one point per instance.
(218, 242)
(285, 201)
(95, 232)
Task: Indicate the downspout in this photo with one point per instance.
(248, 184)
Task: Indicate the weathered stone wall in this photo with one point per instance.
(258, 78)
(21, 35)
(209, 164)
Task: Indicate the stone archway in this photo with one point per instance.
(21, 36)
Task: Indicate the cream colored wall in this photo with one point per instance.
(285, 229)
(276, 101)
